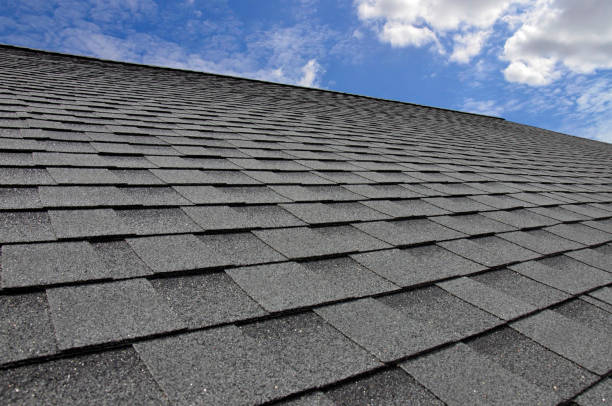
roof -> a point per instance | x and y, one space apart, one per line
174 237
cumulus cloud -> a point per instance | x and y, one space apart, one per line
486 107
310 71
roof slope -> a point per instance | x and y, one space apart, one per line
172 237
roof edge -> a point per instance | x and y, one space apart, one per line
93 58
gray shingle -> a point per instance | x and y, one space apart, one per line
225 195
502 202
193 176
458 204
48 263
492 300
589 348
257 375
406 208
284 286
540 241
25 226
596 395
603 294
172 253
558 213
240 248
417 265
295 178
116 377
304 242
99 176
332 193
472 224
26 328
587 314
341 177
155 196
386 333
572 277
603 225
156 221
120 259
87 223
321 213
440 310
25 176
580 233
459 375
534 363
383 191
319 353
207 300
108 312
408 232
19 198
525 289
521 218
84 196
136 177
587 210
267 216
389 387
489 251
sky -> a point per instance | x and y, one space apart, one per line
546 63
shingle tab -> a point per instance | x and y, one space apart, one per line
405 208
409 232
87 223
589 348
489 251
120 259
83 196
156 221
596 395
25 226
257 375
580 233
541 241
417 265
90 176
460 376
102 313
25 176
472 224
240 248
49 263
321 213
19 198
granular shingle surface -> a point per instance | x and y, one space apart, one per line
181 238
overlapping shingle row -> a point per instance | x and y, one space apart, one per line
171 237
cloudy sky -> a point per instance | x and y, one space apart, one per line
546 63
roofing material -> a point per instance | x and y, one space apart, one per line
174 237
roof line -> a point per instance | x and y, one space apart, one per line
241 78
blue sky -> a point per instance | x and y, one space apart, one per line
546 63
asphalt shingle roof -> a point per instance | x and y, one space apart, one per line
175 238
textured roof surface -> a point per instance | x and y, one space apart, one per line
172 237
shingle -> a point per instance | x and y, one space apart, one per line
405 208
156 221
440 310
207 300
102 313
416 265
315 193
383 191
155 196
603 225
267 216
25 176
304 242
297 178
321 165
538 199
587 314
558 213
341 177
268 164
84 196
472 224
496 187
457 189
580 233
521 219
459 375
489 251
603 294
492 300
589 348
257 375
100 176
136 177
572 277
534 363
587 210
26 328
16 159
502 202
225 195
596 395
319 353
87 223
116 377
540 241
458 204
176 253
68 159
321 213
120 260
349 277
47 263
408 232
523 288
25 226
193 176
284 286
240 248
211 163
386 333
389 387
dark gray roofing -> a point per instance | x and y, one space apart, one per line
173 237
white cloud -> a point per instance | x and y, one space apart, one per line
310 71
486 107
559 35
468 45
